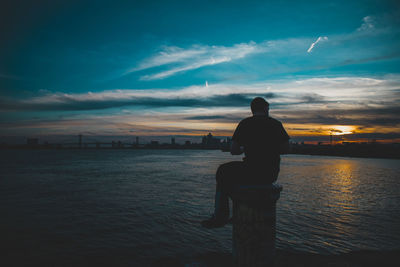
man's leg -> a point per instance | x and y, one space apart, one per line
255 188
227 177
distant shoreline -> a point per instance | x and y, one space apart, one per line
382 152
348 156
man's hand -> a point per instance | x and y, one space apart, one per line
236 149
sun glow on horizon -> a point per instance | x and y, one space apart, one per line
342 129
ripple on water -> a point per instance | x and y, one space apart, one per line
149 203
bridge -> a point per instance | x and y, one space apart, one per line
91 142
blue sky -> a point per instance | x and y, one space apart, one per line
162 68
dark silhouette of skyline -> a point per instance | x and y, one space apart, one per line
346 149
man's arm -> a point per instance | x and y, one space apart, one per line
284 148
235 148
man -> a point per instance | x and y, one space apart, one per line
262 139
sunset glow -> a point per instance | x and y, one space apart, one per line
341 130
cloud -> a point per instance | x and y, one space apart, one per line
172 60
377 135
192 96
367 116
367 103
388 56
190 66
140 98
220 118
312 93
367 25
312 98
320 39
194 57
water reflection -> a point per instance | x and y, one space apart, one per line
335 204
340 178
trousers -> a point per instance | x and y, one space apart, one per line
246 182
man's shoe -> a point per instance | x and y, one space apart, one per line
213 222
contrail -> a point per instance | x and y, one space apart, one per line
324 38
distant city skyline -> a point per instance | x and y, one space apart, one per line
162 69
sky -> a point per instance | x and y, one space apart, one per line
158 69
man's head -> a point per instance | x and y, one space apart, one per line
259 106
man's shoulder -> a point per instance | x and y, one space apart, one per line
246 120
264 118
275 121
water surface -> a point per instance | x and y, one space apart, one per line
136 205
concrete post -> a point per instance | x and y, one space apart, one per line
254 232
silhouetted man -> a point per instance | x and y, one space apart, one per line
262 139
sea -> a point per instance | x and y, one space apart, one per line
130 207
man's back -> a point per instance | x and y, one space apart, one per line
261 137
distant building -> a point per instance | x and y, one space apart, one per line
118 144
209 141
226 144
228 141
